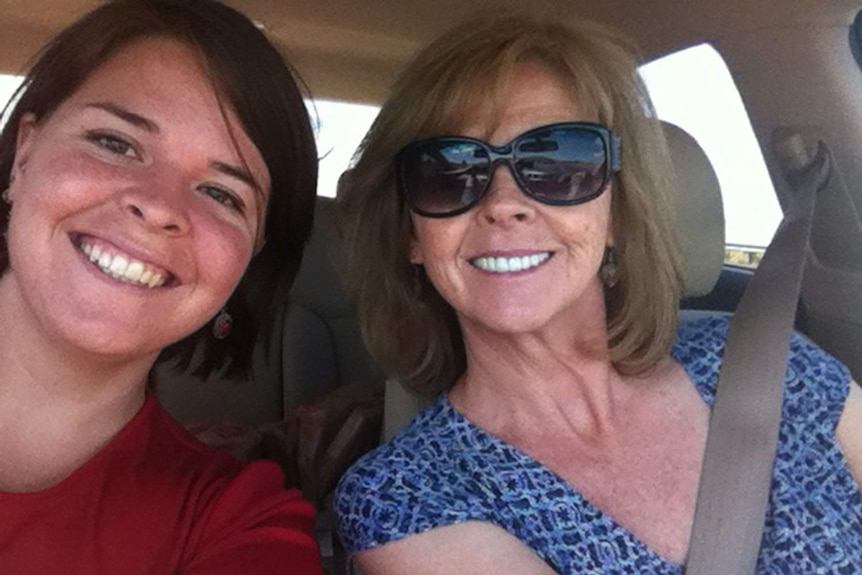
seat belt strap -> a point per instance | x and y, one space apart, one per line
743 430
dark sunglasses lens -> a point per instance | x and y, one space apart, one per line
562 165
442 177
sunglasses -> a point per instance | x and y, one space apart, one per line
560 165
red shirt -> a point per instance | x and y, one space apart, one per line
155 501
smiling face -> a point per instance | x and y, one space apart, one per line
137 204
511 264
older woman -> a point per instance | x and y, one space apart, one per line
152 181
512 192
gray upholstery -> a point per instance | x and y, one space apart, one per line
318 349
322 346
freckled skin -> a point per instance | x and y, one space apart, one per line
507 222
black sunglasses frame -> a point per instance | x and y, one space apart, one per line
505 155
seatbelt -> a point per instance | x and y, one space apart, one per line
743 431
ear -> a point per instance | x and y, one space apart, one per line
416 254
24 141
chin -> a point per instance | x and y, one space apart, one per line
114 340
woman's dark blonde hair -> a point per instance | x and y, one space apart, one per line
409 329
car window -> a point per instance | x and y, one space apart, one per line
693 89
8 85
339 128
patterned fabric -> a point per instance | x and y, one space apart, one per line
442 469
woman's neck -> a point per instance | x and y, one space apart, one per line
561 372
58 404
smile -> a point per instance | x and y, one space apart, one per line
501 265
121 266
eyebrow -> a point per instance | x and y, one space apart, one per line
240 174
127 115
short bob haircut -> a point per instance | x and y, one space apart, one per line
409 329
249 76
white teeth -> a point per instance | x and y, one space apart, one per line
121 268
119 265
134 271
504 265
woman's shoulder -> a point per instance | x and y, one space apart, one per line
702 335
699 347
408 485
816 383
161 437
235 511
423 445
814 377
250 519
161 502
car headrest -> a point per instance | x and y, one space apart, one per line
317 285
699 212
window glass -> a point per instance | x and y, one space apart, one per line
693 89
8 85
340 127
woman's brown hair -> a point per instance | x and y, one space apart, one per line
409 329
249 76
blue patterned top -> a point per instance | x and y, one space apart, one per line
442 469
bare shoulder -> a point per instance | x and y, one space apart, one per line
849 431
474 547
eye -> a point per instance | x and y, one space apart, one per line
222 196
113 144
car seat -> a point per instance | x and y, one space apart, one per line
316 349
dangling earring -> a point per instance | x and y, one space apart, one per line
609 271
222 324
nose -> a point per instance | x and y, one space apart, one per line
159 206
504 202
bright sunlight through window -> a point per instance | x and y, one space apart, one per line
340 127
8 85
693 89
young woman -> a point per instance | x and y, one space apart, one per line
153 180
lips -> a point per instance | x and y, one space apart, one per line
502 265
122 266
